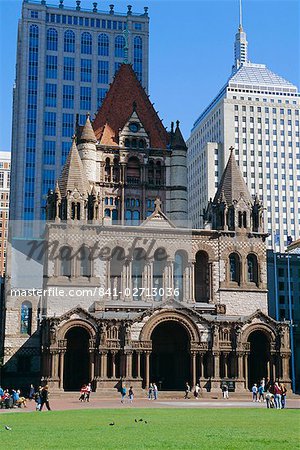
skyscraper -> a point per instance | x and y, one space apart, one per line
66 58
4 206
256 112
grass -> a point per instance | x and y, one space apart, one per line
165 429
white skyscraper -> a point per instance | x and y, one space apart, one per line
256 112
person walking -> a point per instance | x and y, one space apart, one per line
31 392
254 392
261 393
150 392
187 391
225 390
37 398
155 391
130 394
45 398
283 395
123 393
197 391
88 392
277 395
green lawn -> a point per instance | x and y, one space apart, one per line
165 429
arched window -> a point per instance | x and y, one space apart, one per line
128 217
234 268
151 172
127 142
252 269
107 170
201 277
26 318
86 43
116 171
51 39
159 263
138 264
136 217
158 173
133 171
179 268
142 143
69 41
138 56
33 36
119 46
114 215
230 219
84 262
107 212
117 263
103 45
65 256
75 211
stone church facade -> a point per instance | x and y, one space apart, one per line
132 293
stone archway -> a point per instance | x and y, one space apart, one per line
76 360
170 363
259 357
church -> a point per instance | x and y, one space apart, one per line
130 291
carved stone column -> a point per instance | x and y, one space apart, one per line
147 368
285 358
103 370
193 361
201 368
246 356
128 364
240 364
225 356
216 355
138 364
61 368
54 363
113 360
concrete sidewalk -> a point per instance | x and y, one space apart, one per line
67 403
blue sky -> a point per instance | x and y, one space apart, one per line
191 50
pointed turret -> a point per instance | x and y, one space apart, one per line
232 208
232 185
240 45
87 150
178 193
73 175
87 134
177 138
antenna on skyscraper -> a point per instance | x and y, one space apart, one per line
241 15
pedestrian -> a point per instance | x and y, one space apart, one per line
45 398
123 393
261 393
283 395
254 392
83 393
150 392
130 394
155 391
88 392
267 384
225 390
187 391
269 399
263 383
277 396
31 392
37 398
197 391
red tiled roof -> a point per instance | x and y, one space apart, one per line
117 107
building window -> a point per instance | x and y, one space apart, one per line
86 43
103 45
252 266
48 181
67 124
85 98
26 318
159 264
52 39
179 269
65 261
103 72
84 262
49 152
69 68
69 41
1 179
101 93
68 96
138 56
138 264
50 123
234 268
86 70
50 95
201 277
119 46
51 66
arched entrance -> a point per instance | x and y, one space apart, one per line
170 365
76 361
259 358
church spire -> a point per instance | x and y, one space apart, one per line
240 44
